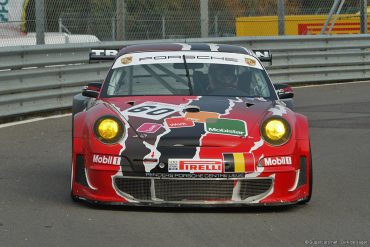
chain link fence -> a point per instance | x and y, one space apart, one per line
108 20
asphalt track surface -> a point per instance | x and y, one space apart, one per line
36 210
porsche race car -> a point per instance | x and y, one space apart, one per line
188 124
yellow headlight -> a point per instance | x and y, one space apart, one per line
276 131
108 129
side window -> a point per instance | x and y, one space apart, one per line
116 81
259 85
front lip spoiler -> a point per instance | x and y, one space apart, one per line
185 205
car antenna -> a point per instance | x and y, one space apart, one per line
188 76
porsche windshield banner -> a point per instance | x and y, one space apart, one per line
190 57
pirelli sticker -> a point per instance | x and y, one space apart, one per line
238 162
195 166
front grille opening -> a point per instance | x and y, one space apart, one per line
137 188
254 187
182 190
197 190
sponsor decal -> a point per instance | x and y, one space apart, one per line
179 122
106 159
190 56
195 166
126 60
4 10
149 127
250 61
151 110
226 127
238 162
195 175
104 53
277 161
278 110
201 116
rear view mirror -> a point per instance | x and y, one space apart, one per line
189 65
284 91
92 90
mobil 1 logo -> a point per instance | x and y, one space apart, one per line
151 110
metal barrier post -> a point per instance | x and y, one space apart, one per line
113 28
60 25
281 17
216 25
332 10
204 18
40 25
121 15
163 27
363 13
336 16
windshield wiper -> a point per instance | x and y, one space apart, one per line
188 76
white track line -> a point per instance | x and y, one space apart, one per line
69 114
332 84
33 120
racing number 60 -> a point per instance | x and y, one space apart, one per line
148 109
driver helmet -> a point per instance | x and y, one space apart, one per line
222 75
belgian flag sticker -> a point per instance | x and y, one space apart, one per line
238 162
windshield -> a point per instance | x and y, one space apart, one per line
216 78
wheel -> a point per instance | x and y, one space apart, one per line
74 198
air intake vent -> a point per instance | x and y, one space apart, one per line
184 190
303 171
192 108
80 176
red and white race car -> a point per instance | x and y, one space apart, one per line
188 124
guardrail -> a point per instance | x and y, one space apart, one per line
43 78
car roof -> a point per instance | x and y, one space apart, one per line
200 47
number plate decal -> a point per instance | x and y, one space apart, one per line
152 110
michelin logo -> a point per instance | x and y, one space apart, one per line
106 159
277 161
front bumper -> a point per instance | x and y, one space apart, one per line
274 187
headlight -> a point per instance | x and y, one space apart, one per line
276 131
108 129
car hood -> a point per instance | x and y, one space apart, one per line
185 120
